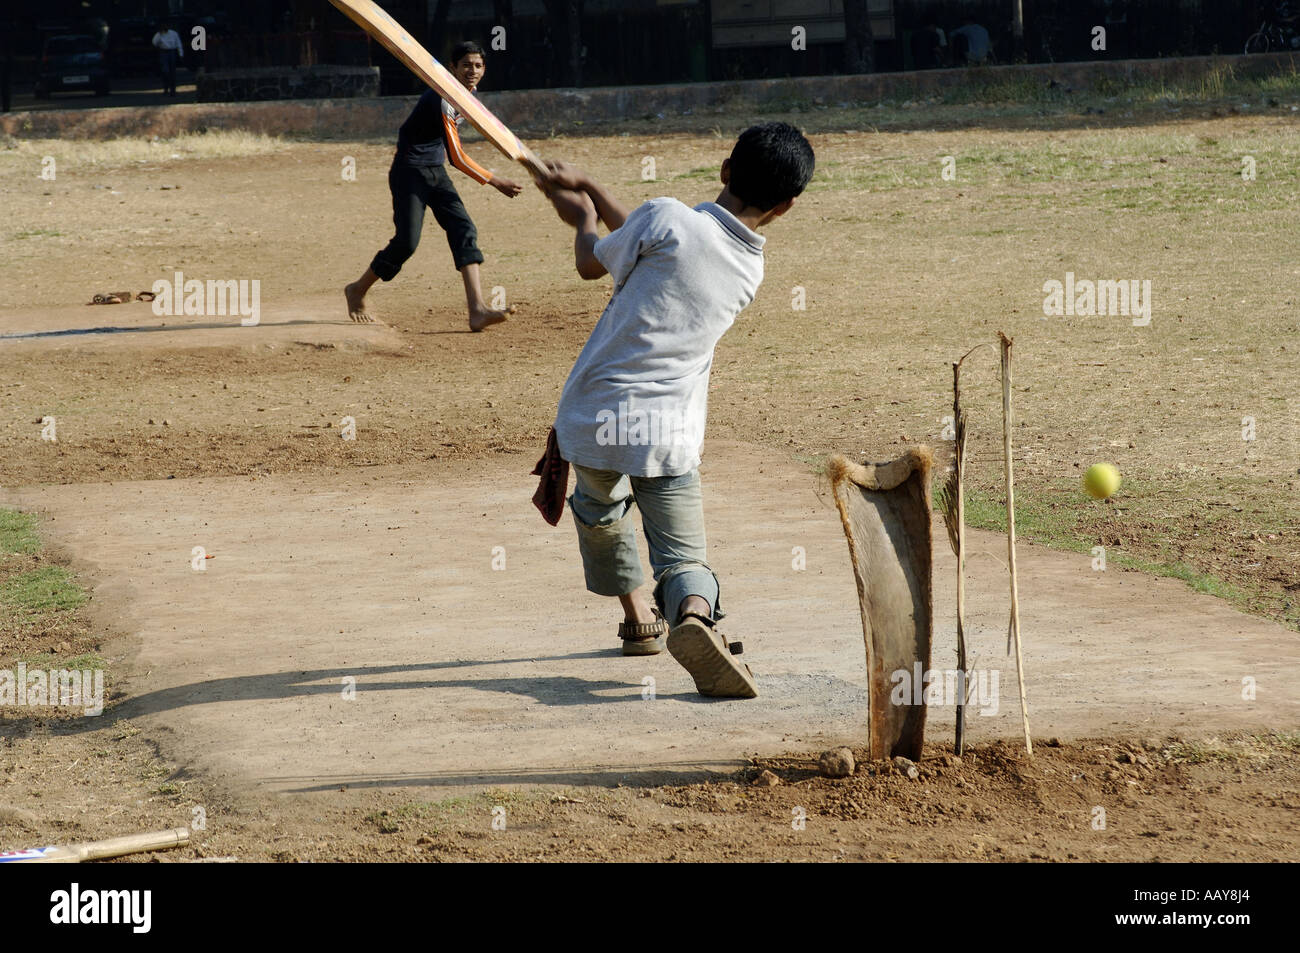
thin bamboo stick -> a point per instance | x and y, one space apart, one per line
1013 633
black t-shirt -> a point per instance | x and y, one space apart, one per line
420 140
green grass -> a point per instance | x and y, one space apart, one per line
1202 752
38 602
35 233
44 589
88 660
1259 747
1063 527
18 533
1122 171
154 771
40 660
1280 740
1001 94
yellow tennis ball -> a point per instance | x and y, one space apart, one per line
1101 480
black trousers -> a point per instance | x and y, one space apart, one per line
413 189
167 63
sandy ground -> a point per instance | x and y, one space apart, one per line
131 327
468 675
479 688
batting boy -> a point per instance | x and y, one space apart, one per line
632 413
418 179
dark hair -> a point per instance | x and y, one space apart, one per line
770 163
463 49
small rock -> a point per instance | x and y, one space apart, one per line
955 761
836 763
907 767
766 779
64 648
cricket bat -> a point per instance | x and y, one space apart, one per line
99 850
375 20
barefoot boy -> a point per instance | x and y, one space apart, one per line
631 415
418 178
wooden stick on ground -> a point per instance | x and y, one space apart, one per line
954 516
959 521
1013 633
101 849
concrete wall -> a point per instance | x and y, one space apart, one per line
271 83
538 112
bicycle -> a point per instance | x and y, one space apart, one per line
1275 34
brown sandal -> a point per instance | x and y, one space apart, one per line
113 297
702 650
643 638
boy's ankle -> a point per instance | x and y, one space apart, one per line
694 605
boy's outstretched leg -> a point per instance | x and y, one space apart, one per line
356 295
672 512
480 315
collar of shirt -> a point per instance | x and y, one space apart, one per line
733 225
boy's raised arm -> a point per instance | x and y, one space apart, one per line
577 209
611 211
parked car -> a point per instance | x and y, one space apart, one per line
72 61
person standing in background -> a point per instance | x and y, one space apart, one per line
970 44
170 52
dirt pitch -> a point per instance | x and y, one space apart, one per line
243 424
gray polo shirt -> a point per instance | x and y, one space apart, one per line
636 401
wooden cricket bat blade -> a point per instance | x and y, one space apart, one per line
372 18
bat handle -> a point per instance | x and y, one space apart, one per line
535 165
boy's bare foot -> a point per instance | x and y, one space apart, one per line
481 318
357 305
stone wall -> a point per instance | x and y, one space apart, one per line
538 112
285 82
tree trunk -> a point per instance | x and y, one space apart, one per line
859 45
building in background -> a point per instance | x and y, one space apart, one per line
546 43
